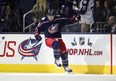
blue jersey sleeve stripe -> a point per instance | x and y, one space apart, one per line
40 24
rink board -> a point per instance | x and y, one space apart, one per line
88 53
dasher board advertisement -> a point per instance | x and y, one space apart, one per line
84 51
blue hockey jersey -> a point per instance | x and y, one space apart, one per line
56 24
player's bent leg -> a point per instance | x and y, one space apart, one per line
64 57
56 50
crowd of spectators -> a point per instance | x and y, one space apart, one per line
105 10
12 11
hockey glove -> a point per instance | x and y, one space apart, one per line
38 37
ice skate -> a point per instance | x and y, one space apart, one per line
57 63
67 69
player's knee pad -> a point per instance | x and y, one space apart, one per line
56 45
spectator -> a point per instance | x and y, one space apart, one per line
86 9
71 11
10 19
63 9
99 11
39 10
107 11
111 24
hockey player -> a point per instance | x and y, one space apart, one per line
51 26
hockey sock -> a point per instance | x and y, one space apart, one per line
56 49
64 58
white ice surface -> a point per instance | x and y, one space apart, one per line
54 77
